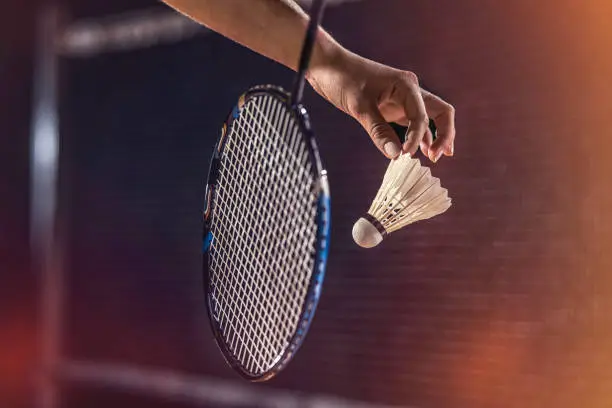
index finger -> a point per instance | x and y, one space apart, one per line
416 113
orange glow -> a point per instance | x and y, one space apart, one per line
17 357
492 360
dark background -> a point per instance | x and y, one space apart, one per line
17 282
504 301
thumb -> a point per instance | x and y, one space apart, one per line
381 133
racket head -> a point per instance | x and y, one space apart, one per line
260 309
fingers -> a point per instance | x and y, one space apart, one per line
426 142
443 115
381 133
414 106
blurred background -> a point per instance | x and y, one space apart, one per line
504 301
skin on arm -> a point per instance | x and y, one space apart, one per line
273 28
372 93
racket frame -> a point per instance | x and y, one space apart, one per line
322 237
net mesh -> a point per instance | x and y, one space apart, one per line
264 228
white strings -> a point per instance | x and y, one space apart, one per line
264 229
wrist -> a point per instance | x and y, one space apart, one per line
327 54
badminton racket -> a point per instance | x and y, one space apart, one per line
266 226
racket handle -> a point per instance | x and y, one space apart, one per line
316 15
400 131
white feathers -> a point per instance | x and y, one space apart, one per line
408 194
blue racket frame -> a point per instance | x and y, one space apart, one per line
322 240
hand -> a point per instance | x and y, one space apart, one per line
375 94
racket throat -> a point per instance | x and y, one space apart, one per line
316 16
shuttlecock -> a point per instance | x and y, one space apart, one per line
408 194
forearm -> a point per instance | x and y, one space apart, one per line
273 28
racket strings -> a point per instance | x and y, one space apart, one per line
263 253
273 308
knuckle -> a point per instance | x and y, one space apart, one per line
450 109
422 120
377 131
358 108
414 140
410 77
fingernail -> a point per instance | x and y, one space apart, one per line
391 149
450 150
437 156
431 155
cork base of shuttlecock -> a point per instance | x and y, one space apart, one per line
365 233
